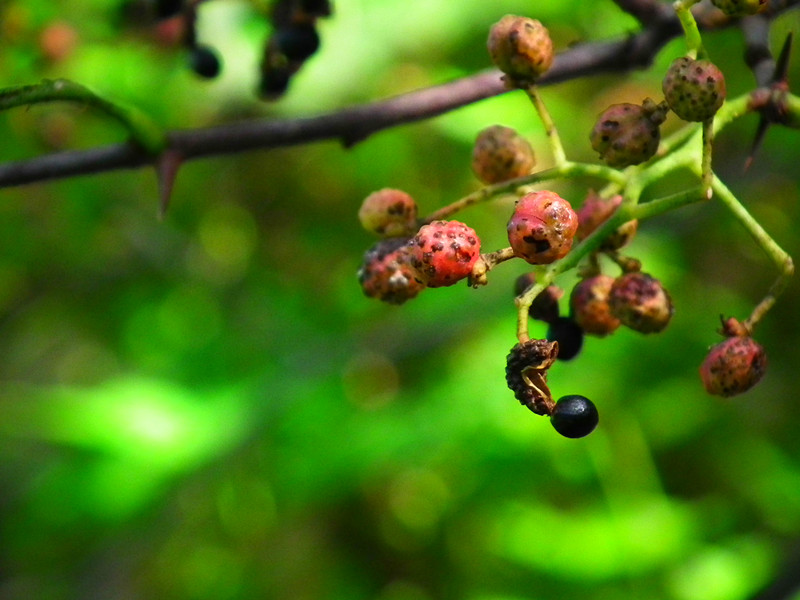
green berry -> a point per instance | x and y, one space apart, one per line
628 134
694 89
500 154
521 48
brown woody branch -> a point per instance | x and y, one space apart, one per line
352 125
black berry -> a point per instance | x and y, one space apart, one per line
297 41
569 336
574 416
168 8
203 61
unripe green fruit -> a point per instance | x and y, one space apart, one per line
521 48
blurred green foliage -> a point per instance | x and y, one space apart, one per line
208 408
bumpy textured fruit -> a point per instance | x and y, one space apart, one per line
594 211
500 154
389 213
443 252
574 416
542 227
733 366
387 274
640 302
739 8
569 336
589 305
694 89
520 47
526 374
628 134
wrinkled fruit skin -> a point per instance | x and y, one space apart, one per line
443 252
694 89
589 305
595 211
739 8
524 363
574 416
387 274
520 47
500 154
542 227
628 134
389 213
640 302
733 366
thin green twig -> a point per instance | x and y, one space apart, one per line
142 129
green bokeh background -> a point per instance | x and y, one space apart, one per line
207 407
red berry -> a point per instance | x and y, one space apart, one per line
694 89
520 47
389 213
500 154
733 366
443 252
387 274
640 302
589 305
542 227
595 211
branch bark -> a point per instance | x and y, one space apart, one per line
352 125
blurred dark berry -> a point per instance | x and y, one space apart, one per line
203 60
574 416
168 8
569 336
297 41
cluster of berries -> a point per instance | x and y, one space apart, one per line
294 39
412 256
418 253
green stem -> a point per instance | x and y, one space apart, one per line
568 169
694 42
776 254
142 129
706 175
559 156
